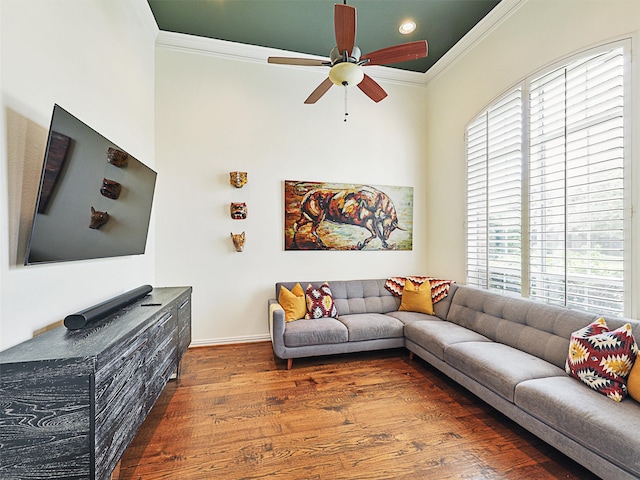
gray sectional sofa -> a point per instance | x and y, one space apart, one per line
508 351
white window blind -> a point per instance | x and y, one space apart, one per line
494 241
477 203
565 239
576 184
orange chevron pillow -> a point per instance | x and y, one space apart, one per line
439 287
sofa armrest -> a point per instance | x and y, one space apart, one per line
276 327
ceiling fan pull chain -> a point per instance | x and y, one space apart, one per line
346 110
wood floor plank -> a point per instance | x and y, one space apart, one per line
237 413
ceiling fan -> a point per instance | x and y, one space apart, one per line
345 58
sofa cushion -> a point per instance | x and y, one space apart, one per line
609 429
371 326
410 317
602 359
533 327
368 296
363 296
416 298
497 366
315 332
436 335
441 308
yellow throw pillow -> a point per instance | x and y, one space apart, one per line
633 381
416 299
293 302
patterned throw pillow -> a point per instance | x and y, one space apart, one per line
602 358
439 287
320 302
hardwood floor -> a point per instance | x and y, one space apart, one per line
236 413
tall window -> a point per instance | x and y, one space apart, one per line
494 213
546 187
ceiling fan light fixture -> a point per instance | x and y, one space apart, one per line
346 59
346 74
407 27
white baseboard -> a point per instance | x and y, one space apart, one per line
208 342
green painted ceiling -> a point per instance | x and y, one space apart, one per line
306 26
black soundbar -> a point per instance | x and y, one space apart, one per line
97 312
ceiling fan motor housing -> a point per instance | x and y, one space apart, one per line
337 57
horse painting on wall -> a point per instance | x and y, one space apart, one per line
336 216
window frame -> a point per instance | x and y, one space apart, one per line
524 86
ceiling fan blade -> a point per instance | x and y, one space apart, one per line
398 53
310 62
371 89
319 91
344 21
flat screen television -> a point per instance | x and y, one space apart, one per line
94 199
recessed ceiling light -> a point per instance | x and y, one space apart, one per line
407 27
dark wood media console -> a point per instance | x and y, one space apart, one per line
72 401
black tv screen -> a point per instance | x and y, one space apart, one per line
94 199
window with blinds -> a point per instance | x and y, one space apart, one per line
563 240
576 175
494 239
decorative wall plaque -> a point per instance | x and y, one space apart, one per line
238 179
110 189
98 219
238 210
238 241
117 157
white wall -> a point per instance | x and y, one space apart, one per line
95 58
216 115
539 33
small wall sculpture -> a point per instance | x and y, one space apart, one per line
117 157
238 210
238 241
110 189
98 219
238 179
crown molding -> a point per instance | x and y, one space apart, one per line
251 53
148 21
490 22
